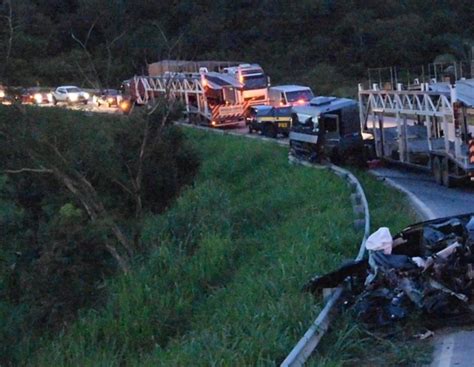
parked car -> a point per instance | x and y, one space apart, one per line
109 97
36 95
70 94
2 93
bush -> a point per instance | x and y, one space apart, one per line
59 227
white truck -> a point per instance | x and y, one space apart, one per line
289 95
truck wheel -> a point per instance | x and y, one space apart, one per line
250 129
55 101
446 180
436 167
270 131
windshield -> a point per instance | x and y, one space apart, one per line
350 118
255 81
299 95
73 90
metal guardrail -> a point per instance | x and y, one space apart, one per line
306 345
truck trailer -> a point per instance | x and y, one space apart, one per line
213 98
430 128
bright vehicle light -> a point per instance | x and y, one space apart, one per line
125 105
2 93
110 99
50 97
73 97
301 101
38 97
86 95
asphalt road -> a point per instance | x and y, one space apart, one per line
452 347
441 201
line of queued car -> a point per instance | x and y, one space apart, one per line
68 94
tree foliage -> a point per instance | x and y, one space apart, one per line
288 38
74 193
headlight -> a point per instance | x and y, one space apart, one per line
38 97
50 97
110 99
2 94
86 95
73 97
125 106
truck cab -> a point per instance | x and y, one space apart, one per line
255 82
270 121
327 128
290 95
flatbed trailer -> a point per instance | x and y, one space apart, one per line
421 128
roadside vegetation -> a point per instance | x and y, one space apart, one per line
217 280
75 192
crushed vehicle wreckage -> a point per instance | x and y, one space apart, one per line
428 267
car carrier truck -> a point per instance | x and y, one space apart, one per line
214 98
427 129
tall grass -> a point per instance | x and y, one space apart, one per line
221 282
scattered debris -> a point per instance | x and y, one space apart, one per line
428 267
424 336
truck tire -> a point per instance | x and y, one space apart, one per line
436 168
270 131
250 129
55 101
446 179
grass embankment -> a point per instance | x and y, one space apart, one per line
351 344
221 285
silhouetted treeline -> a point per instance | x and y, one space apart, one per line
327 43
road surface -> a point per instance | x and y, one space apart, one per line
441 201
454 347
